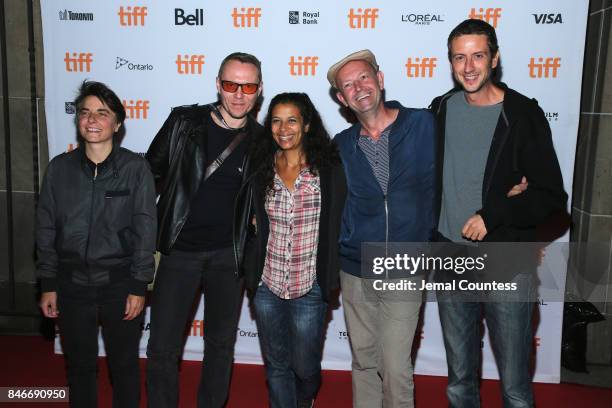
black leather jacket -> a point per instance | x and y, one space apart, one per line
178 160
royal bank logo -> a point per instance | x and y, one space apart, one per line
69 15
554 18
70 108
122 62
544 67
182 18
304 17
422 19
552 117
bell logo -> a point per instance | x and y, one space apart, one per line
132 16
80 62
363 18
303 66
136 109
247 17
490 15
545 67
189 64
420 67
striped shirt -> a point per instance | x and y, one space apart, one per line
291 257
377 153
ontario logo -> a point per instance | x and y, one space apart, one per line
122 62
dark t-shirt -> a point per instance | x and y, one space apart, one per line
209 224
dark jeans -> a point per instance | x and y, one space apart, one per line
510 329
82 309
178 281
291 337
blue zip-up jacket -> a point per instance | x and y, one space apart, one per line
406 213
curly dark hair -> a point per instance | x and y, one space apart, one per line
318 149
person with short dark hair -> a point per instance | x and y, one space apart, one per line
298 195
498 178
95 238
199 161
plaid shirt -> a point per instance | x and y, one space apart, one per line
291 257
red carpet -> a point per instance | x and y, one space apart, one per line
29 361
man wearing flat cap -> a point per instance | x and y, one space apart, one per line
388 158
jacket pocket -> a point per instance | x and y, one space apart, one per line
116 193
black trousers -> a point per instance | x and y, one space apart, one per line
82 309
178 281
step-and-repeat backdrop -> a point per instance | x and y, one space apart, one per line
159 54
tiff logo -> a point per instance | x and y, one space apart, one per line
545 67
303 66
136 110
363 18
248 18
80 62
132 16
420 67
490 15
189 64
197 328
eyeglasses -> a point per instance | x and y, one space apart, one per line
232 87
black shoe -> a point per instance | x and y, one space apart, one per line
305 403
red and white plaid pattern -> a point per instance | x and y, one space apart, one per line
291 259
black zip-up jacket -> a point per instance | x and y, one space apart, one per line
178 160
100 230
521 146
333 195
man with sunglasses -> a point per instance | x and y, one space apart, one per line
199 162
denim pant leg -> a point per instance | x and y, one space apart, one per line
510 326
121 340
273 315
222 305
460 322
78 325
307 319
177 281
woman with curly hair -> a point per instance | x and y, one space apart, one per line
292 264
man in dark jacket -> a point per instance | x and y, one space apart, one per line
95 239
498 178
388 159
199 161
